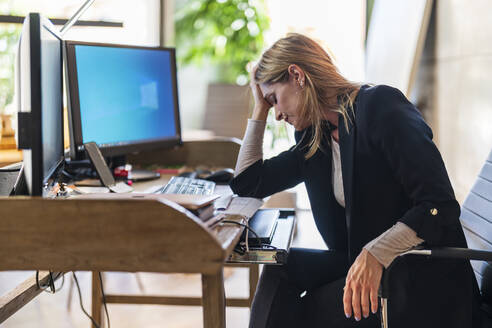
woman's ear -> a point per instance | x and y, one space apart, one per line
296 74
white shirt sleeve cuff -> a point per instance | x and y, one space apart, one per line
393 242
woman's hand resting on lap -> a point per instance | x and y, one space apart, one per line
361 286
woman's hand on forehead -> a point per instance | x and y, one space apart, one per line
262 106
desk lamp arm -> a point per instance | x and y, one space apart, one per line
76 17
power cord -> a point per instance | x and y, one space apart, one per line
82 305
241 224
75 171
260 244
80 301
50 287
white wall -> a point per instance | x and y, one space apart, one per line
463 98
339 25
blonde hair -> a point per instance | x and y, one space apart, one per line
321 76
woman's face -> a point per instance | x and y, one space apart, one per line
285 97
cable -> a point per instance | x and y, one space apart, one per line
243 225
51 282
260 244
37 280
247 240
80 301
104 299
63 281
50 287
10 170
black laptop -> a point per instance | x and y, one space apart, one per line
275 229
263 223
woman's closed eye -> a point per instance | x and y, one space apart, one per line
271 99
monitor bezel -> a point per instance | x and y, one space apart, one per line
75 125
38 180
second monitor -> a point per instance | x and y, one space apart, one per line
123 98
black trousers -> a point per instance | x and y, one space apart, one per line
306 292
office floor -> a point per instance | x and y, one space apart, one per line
52 311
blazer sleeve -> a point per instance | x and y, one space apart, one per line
266 177
405 141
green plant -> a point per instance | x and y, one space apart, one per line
9 36
277 129
228 34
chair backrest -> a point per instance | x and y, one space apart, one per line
476 219
227 109
8 177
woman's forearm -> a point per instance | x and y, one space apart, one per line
252 146
259 114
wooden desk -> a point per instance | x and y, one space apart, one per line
10 156
129 236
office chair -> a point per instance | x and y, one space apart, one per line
12 180
227 110
476 220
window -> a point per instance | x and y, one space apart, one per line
140 21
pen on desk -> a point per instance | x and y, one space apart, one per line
223 202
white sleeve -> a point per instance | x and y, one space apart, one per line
252 147
393 242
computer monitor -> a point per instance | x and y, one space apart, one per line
123 98
39 90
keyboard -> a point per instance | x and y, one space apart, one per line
189 186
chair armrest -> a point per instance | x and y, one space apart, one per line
453 253
462 253
438 252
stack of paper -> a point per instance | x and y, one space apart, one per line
244 206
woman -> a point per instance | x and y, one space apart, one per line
377 187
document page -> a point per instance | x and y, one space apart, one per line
245 206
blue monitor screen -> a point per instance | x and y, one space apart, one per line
126 95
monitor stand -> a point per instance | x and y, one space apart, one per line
143 175
135 174
103 171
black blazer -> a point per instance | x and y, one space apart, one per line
392 171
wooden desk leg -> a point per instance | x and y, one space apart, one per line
213 296
96 298
254 273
